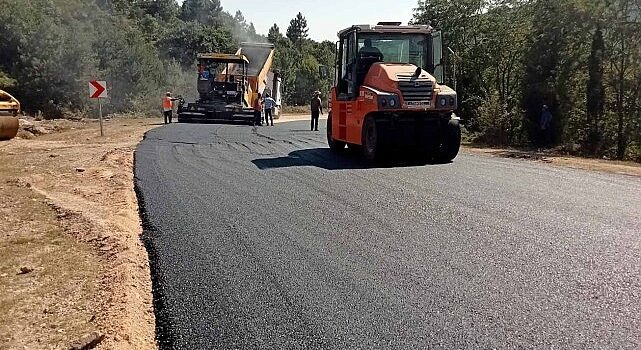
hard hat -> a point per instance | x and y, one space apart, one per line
168 93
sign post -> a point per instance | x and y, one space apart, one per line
102 133
98 89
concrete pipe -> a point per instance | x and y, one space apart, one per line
8 127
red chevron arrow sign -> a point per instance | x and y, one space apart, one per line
97 89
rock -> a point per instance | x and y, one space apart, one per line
24 123
25 135
81 170
39 130
54 155
25 270
32 128
87 342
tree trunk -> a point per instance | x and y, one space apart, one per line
621 139
595 93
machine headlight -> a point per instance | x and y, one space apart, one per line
388 100
452 101
443 101
392 102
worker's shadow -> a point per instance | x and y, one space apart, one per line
326 159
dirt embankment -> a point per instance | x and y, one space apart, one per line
71 260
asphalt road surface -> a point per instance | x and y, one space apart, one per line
263 239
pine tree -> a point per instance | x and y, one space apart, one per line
162 9
274 36
297 30
201 11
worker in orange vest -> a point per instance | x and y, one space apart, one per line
168 107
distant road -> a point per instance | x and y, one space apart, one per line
268 241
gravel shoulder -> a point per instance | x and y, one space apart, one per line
550 157
71 260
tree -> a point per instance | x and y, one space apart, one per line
595 92
297 30
543 60
48 78
6 81
202 11
624 48
251 30
184 42
162 9
460 22
274 36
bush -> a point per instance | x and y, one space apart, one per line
497 126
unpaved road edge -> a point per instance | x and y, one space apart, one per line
87 181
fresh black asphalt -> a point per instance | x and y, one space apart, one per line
260 238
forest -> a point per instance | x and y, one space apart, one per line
581 58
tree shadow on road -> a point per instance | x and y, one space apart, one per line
328 160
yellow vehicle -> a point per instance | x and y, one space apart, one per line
230 85
8 104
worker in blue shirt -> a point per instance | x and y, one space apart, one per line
268 105
545 125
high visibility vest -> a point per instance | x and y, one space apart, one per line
166 103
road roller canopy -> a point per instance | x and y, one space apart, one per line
388 27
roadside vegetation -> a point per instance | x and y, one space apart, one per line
582 58
142 48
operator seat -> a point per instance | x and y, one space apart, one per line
366 58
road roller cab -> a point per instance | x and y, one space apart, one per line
390 93
9 105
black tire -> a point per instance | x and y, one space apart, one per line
450 142
354 149
334 145
370 140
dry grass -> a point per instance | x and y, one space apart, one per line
295 109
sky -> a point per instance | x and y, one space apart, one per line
324 18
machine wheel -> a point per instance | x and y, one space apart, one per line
451 142
370 141
354 149
334 145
